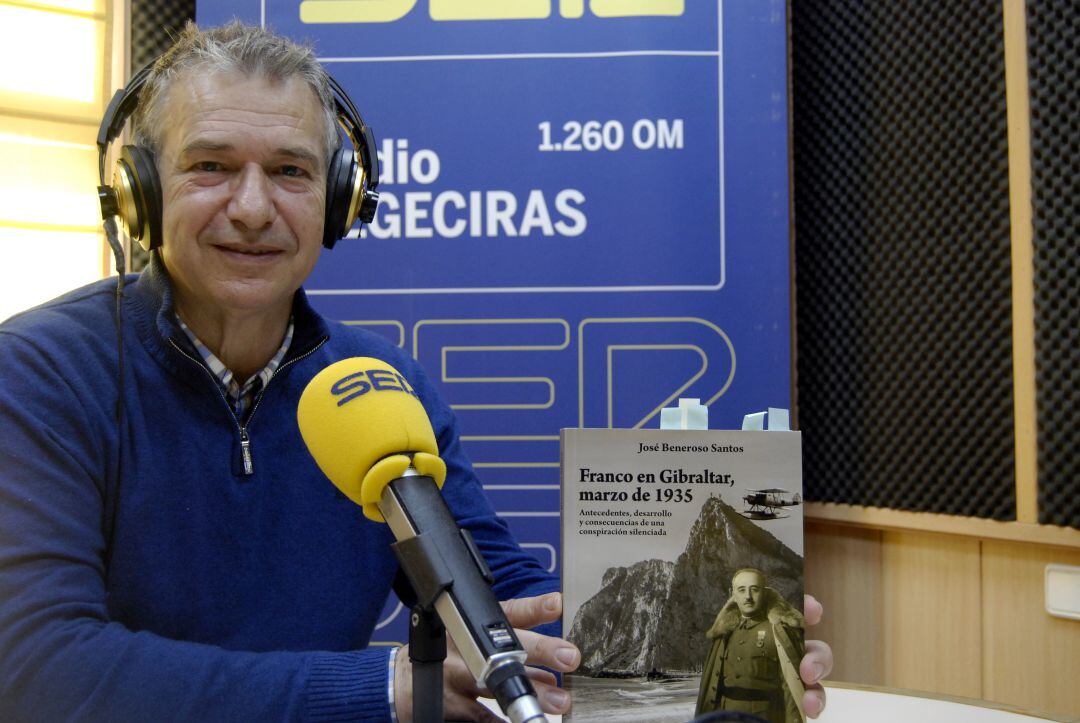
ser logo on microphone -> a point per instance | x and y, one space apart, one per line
357 384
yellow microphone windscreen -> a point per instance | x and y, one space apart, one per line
357 412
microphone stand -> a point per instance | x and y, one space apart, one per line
429 577
427 651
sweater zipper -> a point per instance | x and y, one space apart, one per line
245 439
245 451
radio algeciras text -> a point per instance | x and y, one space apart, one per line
473 213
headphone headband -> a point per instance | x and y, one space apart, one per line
360 135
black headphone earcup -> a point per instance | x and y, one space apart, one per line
139 190
341 190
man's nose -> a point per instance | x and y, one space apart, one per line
252 203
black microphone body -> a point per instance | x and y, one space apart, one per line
363 398
447 572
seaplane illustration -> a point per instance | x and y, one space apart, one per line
769 503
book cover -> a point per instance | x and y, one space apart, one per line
682 566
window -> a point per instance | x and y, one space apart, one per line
55 75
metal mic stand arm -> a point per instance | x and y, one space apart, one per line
429 577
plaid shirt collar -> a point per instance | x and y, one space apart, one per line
239 396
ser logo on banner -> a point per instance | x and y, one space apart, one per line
387 11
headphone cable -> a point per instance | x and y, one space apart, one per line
113 237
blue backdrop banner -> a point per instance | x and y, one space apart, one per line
584 217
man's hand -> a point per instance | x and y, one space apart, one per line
459 688
816 663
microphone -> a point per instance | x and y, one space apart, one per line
367 430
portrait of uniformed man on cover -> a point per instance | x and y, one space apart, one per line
756 645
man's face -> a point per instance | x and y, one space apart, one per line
747 587
243 180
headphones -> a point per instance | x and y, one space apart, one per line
135 194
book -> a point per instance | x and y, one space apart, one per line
682 560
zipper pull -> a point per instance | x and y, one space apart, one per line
245 452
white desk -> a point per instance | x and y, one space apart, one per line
851 704
866 704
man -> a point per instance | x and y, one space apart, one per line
752 664
195 565
190 561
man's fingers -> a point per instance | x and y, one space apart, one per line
540 676
549 652
814 701
543 650
456 677
812 610
460 687
459 708
528 612
816 663
553 699
461 692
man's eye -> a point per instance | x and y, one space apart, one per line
208 166
293 171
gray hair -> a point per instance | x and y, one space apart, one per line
236 48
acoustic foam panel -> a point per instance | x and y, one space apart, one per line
903 278
1055 160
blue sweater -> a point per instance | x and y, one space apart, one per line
144 575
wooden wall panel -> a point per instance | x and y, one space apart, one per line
1033 659
932 611
945 613
843 571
